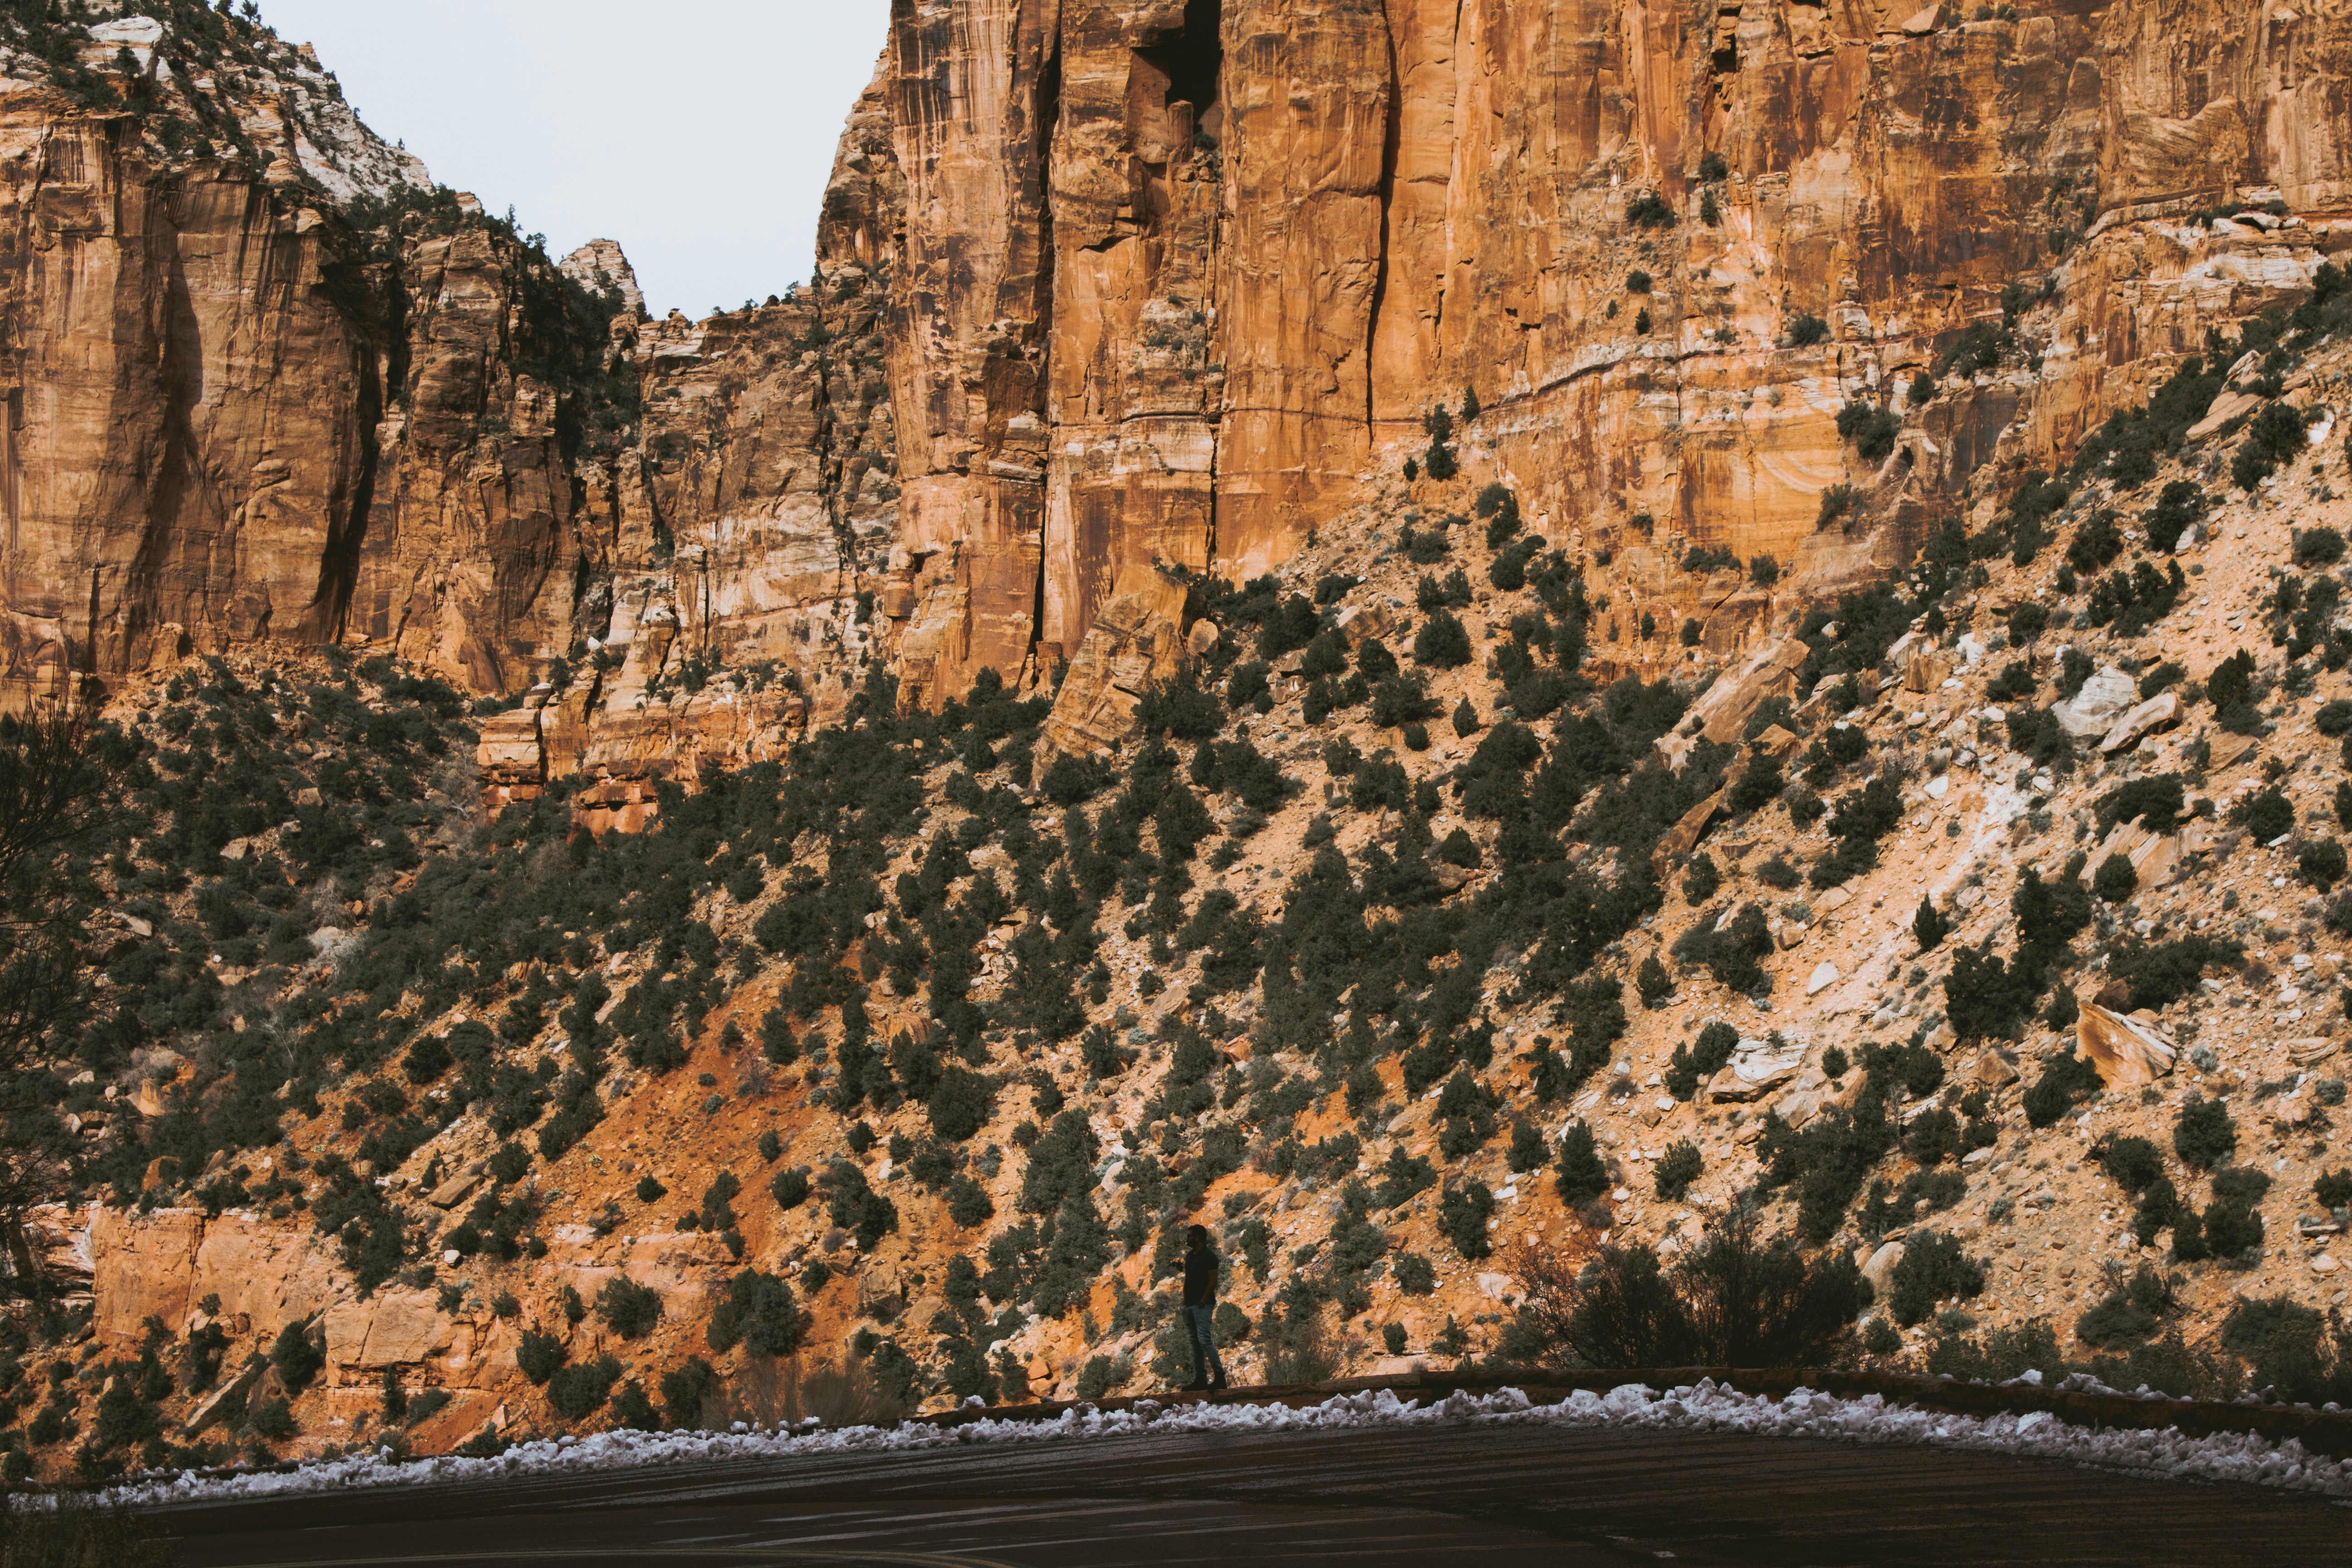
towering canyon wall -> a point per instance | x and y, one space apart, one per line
267 384
1178 276
262 384
1103 283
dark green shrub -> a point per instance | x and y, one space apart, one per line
1933 1138
2241 1185
297 1361
1581 1176
960 1103
2160 1208
509 1163
2294 1352
2095 543
1731 954
577 1393
760 1314
1829 1159
1806 332
1750 1302
2266 815
1649 210
2231 1229
1760 783
1979 348
1838 502
1415 1276
2231 689
2131 1312
2179 507
1871 428
1928 926
1499 509
1919 1193
2204 1136
1528 1150
2067 1078
2163 972
1438 462
1733 1300
1181 707
1679 1167
2014 682
1442 642
539 1355
273 1420
1933 1268
1072 780
2320 863
1627 1313
2115 880
968 1204
2133 1163
633 1412
2276 435
1655 986
2158 803
394 1398
427 1059
1463 1213
630 1309
2321 546
1985 997
1701 1060
1401 1177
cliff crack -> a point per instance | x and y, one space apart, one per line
1391 147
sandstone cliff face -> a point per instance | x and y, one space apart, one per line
721 568
233 419
1176 275
1120 283
466 557
168 357
740 561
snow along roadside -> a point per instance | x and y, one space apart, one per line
1706 1406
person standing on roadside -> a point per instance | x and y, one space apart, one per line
1200 1311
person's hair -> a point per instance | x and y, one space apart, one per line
1198 1236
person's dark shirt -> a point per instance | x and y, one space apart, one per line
1199 1278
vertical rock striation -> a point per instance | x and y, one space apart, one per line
1178 276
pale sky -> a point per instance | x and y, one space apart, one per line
698 133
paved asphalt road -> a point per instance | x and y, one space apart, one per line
1501 1495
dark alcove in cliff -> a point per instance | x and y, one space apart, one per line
1193 59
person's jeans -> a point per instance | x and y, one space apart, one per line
1201 1321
